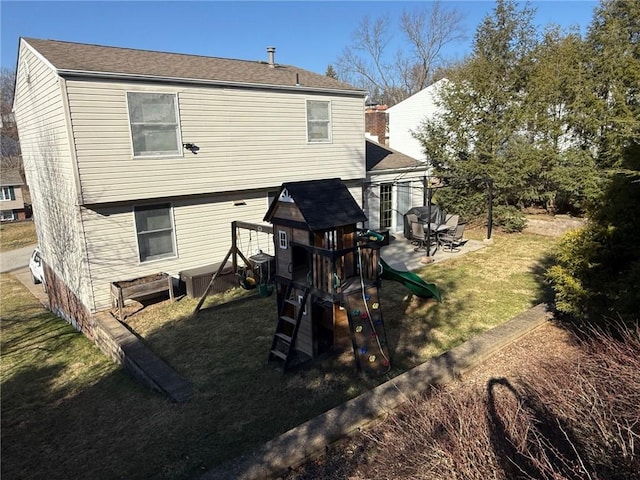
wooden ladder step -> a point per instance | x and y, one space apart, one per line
288 319
285 338
279 354
293 302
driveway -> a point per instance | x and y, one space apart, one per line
17 262
15 259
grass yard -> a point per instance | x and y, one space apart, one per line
16 235
67 412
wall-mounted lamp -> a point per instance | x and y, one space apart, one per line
191 147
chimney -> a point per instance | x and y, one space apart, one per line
272 53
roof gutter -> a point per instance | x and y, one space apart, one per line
195 81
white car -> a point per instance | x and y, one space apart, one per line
36 267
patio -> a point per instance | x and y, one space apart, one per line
401 254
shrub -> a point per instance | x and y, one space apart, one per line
575 420
509 218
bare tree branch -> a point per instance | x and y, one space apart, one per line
393 76
428 32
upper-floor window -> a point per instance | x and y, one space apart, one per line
7 194
154 228
318 121
155 128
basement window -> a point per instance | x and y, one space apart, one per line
155 232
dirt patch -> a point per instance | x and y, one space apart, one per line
552 226
141 280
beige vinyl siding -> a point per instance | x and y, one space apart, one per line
16 204
202 230
248 139
44 140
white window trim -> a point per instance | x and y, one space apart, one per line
2 194
180 152
283 242
303 306
173 235
306 118
5 218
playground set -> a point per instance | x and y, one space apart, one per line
326 273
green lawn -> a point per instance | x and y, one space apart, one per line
16 235
67 412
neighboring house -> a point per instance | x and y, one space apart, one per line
394 185
138 161
407 116
12 205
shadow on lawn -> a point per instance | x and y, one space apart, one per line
122 430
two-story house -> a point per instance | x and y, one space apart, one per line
12 205
138 161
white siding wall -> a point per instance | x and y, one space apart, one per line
247 139
407 116
44 140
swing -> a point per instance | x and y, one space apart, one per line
247 282
245 275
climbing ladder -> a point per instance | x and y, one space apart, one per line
290 313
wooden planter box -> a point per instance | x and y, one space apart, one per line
139 287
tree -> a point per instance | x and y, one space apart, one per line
10 142
331 73
479 133
614 46
392 77
597 274
557 102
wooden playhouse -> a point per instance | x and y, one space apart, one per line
326 276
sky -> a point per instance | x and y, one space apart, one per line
308 34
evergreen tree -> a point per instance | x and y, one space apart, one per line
557 98
614 46
479 133
331 73
597 275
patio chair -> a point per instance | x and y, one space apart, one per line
453 238
452 220
418 235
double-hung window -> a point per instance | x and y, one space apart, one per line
155 232
155 129
318 121
7 194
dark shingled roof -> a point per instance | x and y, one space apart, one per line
78 57
9 177
380 157
324 204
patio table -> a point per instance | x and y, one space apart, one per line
436 230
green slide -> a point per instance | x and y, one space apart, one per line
410 280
